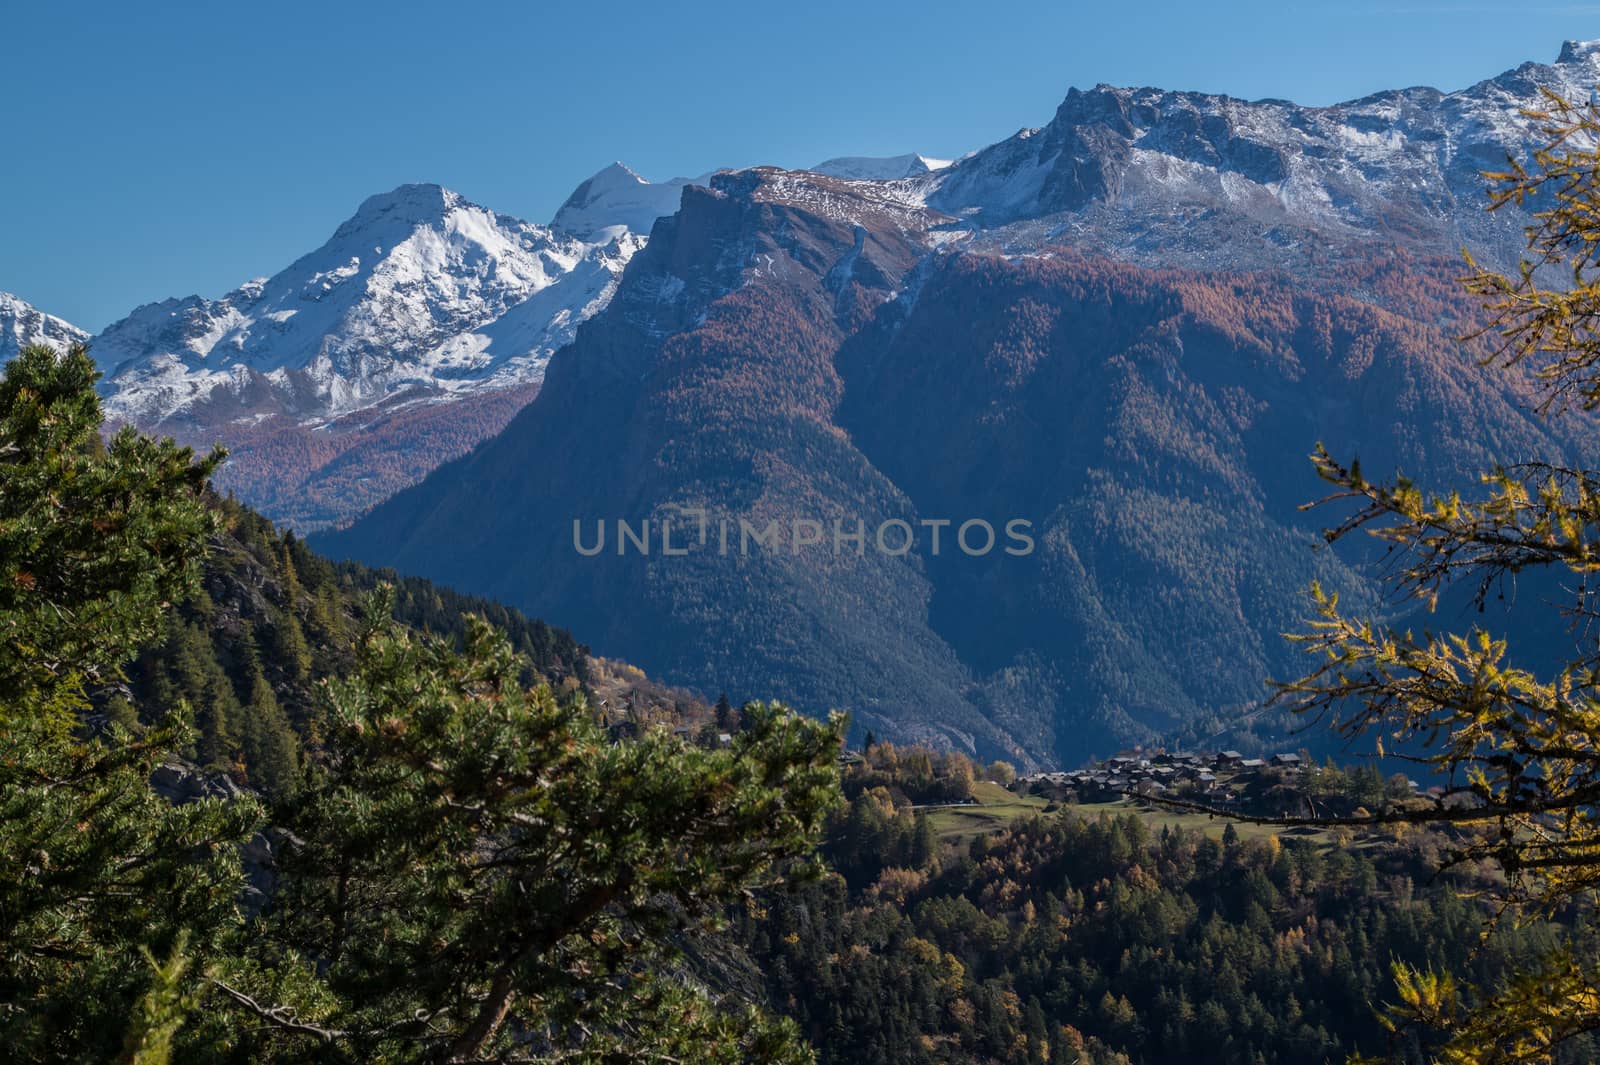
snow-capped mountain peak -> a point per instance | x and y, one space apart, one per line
22 325
423 295
419 289
617 200
1579 52
402 207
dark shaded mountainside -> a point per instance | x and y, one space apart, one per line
786 348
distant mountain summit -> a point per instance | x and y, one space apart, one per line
414 332
1211 181
886 168
420 292
23 325
617 201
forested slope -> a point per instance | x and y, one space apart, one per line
271 621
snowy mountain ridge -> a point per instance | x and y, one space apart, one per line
420 295
419 291
1209 181
887 168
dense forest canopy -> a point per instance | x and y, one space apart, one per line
1122 937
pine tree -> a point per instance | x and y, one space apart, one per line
289 646
162 1010
474 869
267 739
95 542
482 855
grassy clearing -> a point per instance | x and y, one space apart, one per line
1156 816
996 808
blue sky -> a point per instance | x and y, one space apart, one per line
156 155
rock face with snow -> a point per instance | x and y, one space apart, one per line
420 292
1211 181
424 295
22 325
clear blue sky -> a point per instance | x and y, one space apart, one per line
192 147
